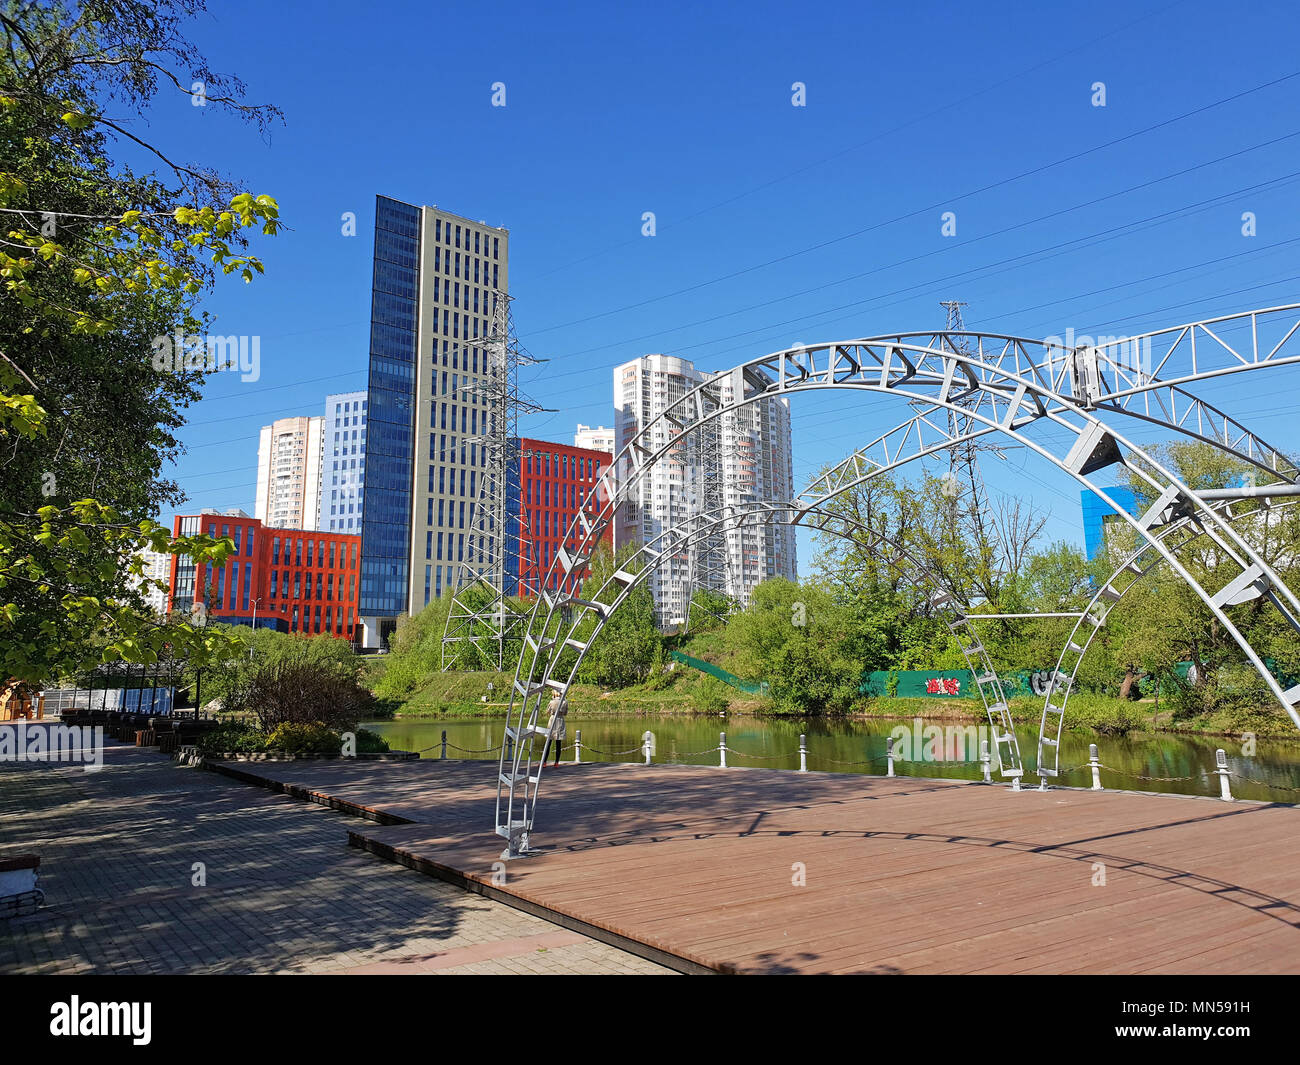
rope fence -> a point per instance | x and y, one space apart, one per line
646 748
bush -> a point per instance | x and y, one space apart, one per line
711 697
370 742
231 738
297 738
303 691
1106 716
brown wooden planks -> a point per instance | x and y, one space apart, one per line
903 874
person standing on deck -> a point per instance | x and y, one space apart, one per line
558 709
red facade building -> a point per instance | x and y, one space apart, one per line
289 579
554 480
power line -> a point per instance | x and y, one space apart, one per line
946 202
870 140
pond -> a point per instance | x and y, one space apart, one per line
1139 762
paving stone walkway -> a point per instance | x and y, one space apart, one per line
284 893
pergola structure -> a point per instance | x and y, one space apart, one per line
1062 403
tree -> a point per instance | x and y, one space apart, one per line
103 267
1164 622
796 638
629 644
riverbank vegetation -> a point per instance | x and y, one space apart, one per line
879 599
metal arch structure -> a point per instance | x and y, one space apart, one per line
1005 384
520 780
1137 564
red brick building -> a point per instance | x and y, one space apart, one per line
554 479
289 579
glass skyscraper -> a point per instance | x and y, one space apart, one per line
437 279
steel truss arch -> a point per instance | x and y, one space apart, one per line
1138 563
1006 392
525 770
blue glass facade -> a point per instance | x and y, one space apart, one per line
1095 512
394 316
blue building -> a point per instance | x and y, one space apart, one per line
343 463
394 314
1097 513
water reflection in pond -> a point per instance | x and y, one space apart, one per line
1272 772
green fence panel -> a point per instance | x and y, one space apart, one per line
748 687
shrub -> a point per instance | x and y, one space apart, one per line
298 738
370 742
1106 716
302 691
231 738
711 696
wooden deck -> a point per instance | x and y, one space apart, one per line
696 866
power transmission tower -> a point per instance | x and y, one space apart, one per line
482 616
964 477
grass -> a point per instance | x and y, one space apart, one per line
450 695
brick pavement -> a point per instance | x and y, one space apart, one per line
284 892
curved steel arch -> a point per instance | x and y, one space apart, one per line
524 770
1092 619
1004 400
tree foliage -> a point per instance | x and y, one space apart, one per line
99 260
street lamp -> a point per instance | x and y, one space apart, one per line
199 614
255 605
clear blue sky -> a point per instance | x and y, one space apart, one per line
685 110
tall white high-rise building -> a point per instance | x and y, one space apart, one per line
343 467
741 457
157 567
288 473
595 439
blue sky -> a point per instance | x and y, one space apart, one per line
685 110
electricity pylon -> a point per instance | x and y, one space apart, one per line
489 577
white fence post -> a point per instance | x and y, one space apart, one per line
803 753
986 763
645 747
1094 763
1221 760
722 749
577 745
889 754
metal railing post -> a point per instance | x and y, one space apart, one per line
577 745
722 750
986 763
1094 763
889 755
1221 761
444 744
803 753
510 749
645 747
